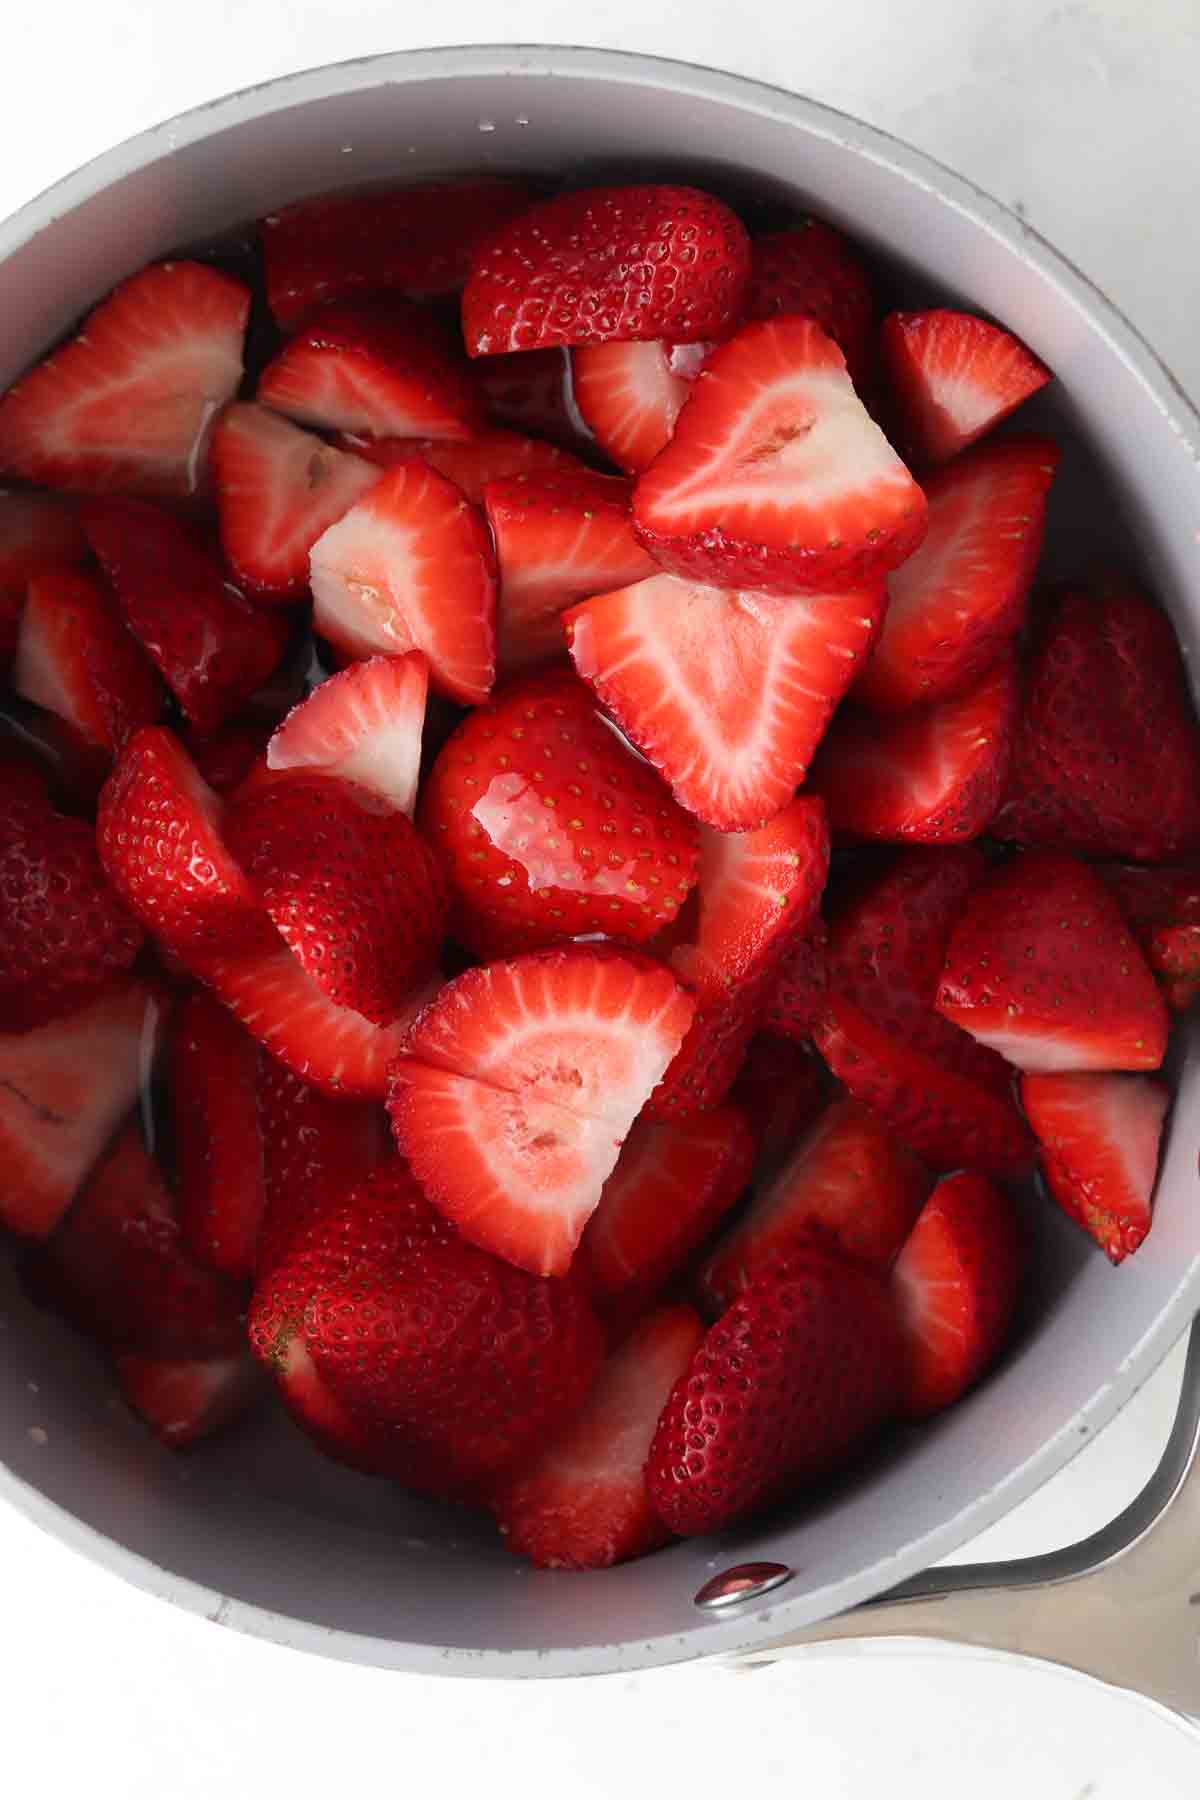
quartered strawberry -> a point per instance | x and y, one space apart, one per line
546 827
470 462
559 538
1162 909
125 406
63 1089
848 1186
654 261
531 391
76 658
1042 967
582 1501
24 778
350 886
960 599
812 270
410 567
278 488
726 692
414 241
777 478
954 376
363 725
781 1088
38 534
1098 1142
218 1143
797 990
956 1284
630 396
211 647
671 1186
518 1086
706 1065
795 1378
183 1400
933 775
378 366
1107 758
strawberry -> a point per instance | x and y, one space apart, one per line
410 567
559 538
125 406
316 1409
1175 958
76 658
931 776
1098 1140
38 535
607 262
414 241
1108 721
312 1144
954 376
776 478
531 391
379 366
63 1089
490 454
671 1185
225 758
1042 967
547 828
1162 909
727 693
219 1177
796 994
707 1062
24 779
350 886
780 1090
958 602
956 1284
785 1388
582 1501
363 725
630 396
64 933
812 270
211 647
184 1400
116 1267
519 1084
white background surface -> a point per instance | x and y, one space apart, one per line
1086 116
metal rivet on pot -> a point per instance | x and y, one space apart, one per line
745 1581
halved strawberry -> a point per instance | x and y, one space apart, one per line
630 397
1098 1142
781 1089
652 261
218 1144
63 1088
363 725
727 693
126 405
811 269
930 776
519 1084
381 367
212 648
471 462
956 1283
776 478
411 567
1042 967
797 990
76 658
671 1185
414 241
847 1185
960 599
582 1502
184 1400
38 534
954 376
559 538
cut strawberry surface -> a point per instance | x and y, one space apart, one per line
471 462
63 1089
781 1089
278 488
727 693
410 567
1042 967
76 658
559 538
954 376
582 1502
796 992
1098 1142
812 270
630 397
776 477
126 405
183 1401
930 776
960 599
956 1284
603 263
381 367
219 1177
363 725
38 535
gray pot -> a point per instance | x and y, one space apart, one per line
257 1531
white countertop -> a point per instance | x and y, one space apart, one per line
1085 116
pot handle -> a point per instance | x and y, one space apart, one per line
1123 1605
